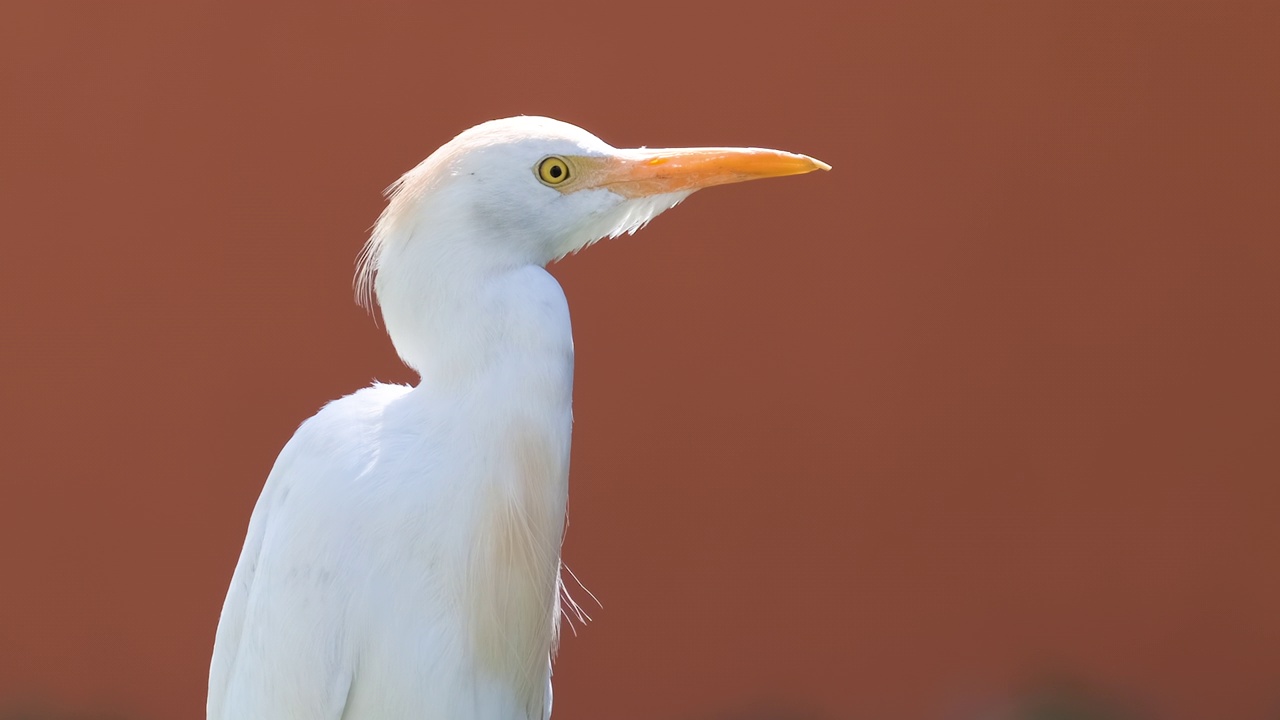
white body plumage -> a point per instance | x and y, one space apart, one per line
403 558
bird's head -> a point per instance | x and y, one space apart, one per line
529 190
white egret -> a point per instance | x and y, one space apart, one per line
403 560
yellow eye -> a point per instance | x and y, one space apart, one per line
553 170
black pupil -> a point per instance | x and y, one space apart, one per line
555 171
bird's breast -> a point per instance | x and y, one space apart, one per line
510 593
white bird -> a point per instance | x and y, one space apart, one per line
403 560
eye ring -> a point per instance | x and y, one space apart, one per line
553 170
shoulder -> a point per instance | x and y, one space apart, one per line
350 414
362 405
340 437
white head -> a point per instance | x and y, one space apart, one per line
528 190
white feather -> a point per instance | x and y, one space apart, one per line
403 560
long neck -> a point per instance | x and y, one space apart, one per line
493 345
433 304
453 309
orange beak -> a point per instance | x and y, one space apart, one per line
643 172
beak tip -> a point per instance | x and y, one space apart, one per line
819 165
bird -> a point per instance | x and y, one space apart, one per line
403 557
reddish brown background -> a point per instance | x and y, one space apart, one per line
993 401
